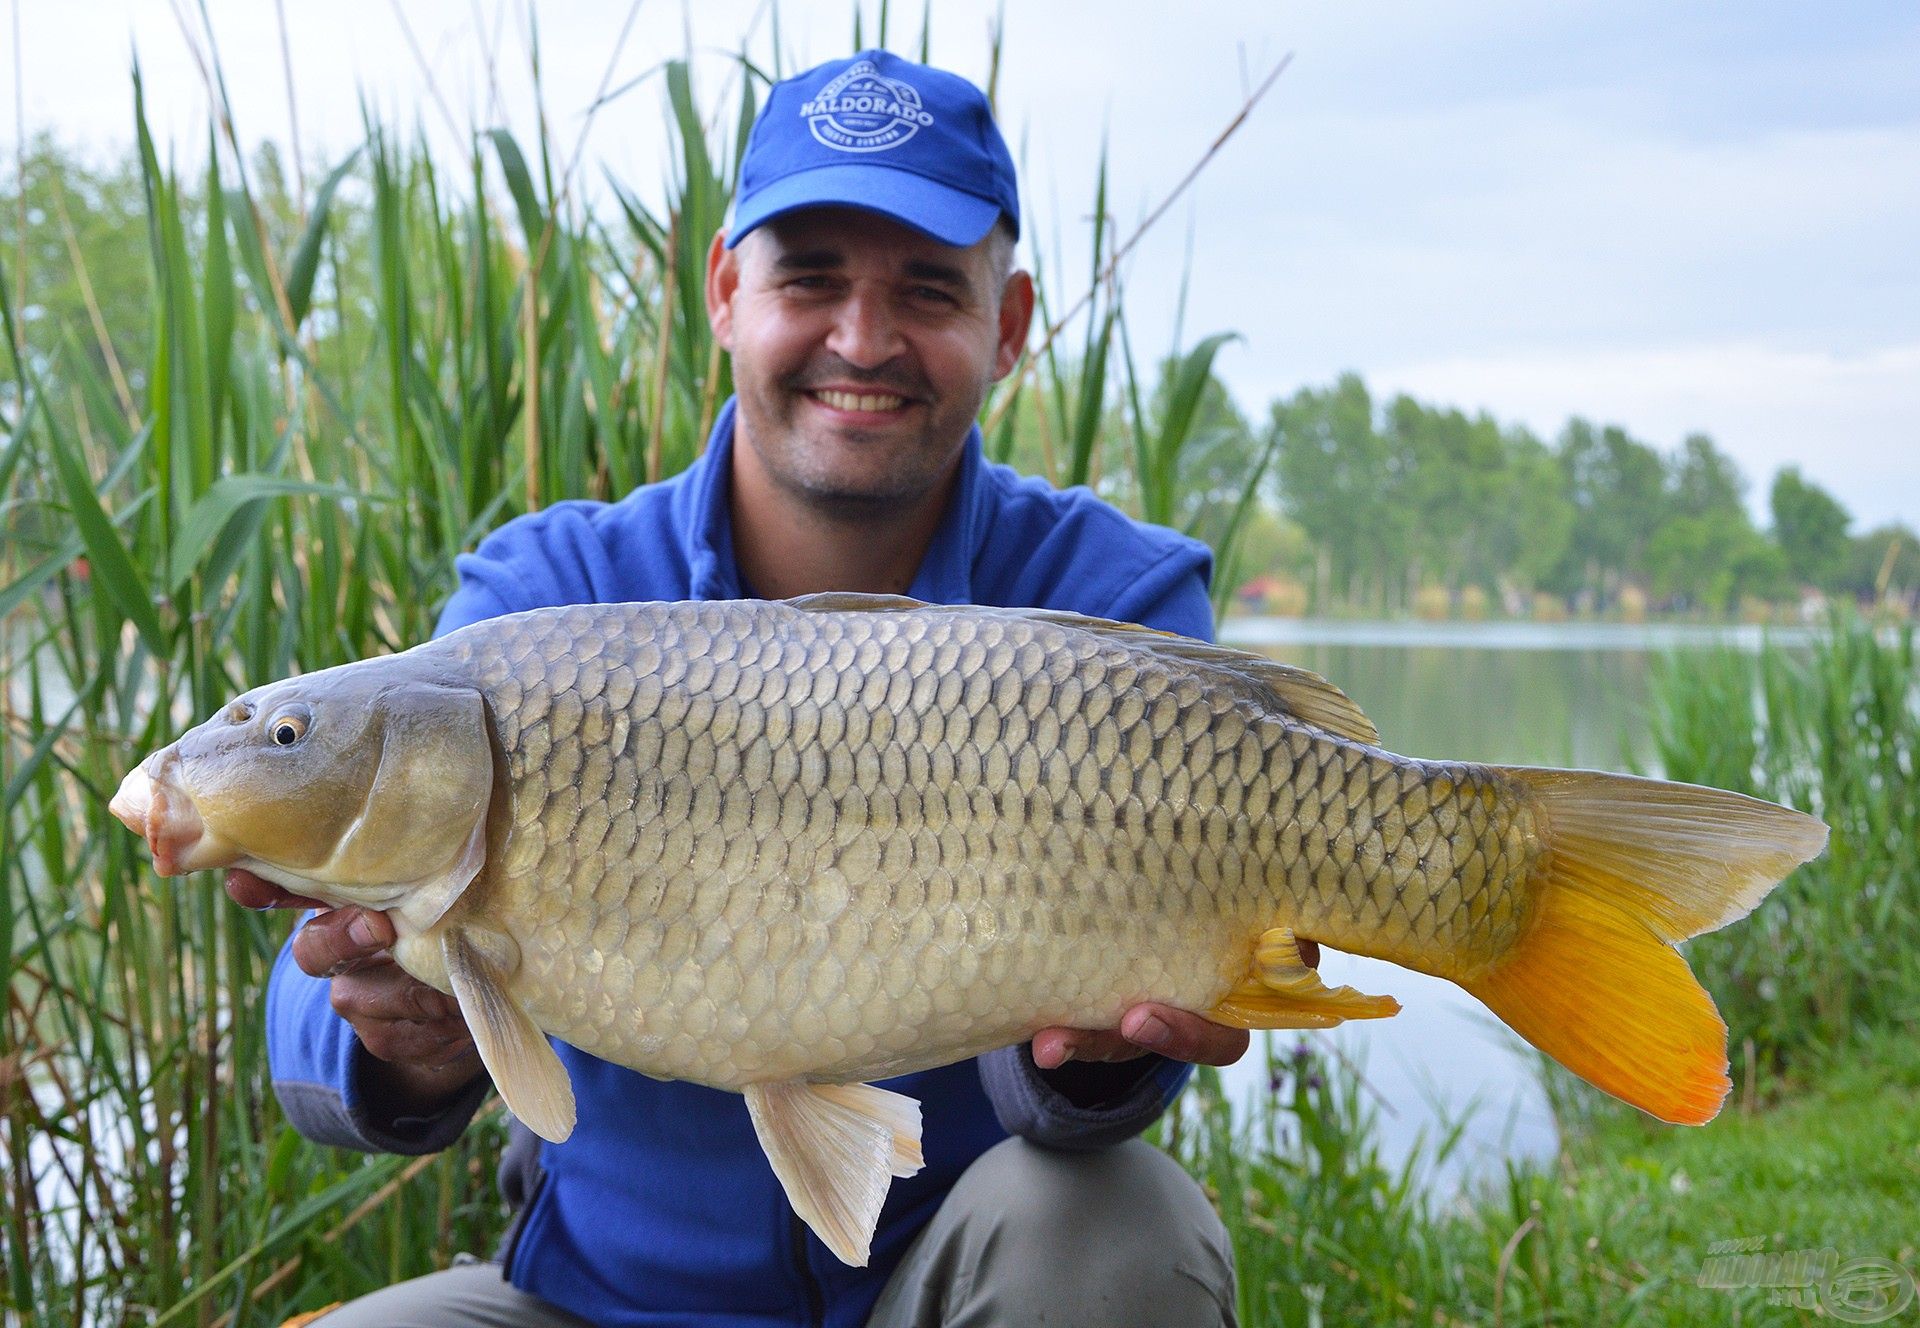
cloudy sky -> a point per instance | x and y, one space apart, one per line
1677 217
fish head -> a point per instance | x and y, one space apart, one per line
349 785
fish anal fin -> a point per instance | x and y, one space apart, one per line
525 1069
1283 992
836 1149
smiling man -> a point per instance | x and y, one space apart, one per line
865 289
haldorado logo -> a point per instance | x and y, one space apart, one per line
865 111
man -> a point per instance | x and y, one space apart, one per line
866 292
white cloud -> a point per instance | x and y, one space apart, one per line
1851 423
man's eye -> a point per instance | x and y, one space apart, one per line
934 294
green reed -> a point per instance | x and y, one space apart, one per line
344 389
1833 729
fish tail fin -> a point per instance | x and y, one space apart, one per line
1632 867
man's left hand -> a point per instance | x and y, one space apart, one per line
1176 1034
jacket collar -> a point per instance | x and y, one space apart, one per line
945 575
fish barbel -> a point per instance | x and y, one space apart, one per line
789 848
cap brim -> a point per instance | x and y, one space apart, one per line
951 216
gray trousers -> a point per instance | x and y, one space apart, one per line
1118 1238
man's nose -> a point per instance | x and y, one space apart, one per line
865 333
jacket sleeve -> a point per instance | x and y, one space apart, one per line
318 1065
1086 1106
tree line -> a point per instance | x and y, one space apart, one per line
1393 496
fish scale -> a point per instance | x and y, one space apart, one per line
789 848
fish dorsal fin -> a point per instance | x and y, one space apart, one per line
836 1149
1298 692
854 601
517 1054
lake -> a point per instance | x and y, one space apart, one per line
1570 694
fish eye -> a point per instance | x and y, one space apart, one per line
289 726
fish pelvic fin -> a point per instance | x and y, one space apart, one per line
1633 866
525 1069
836 1149
1283 992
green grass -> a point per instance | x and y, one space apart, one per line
1616 1231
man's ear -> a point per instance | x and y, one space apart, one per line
723 279
1016 316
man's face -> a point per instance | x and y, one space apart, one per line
862 350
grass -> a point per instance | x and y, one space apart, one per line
1617 1231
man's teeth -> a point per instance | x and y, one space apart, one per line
855 401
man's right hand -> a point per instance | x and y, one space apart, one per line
417 1035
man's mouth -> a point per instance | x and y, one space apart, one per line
863 402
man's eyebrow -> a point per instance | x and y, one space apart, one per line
809 260
925 269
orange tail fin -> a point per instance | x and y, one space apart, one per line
1635 866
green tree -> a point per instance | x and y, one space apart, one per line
1531 525
1699 552
1811 527
1617 487
1884 560
1336 481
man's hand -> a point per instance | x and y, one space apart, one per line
1176 1034
417 1033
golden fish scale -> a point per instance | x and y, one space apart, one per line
752 842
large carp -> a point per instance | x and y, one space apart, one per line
788 848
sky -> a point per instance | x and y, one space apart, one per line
1694 217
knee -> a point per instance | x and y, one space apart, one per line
1126 1221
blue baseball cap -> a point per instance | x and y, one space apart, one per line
881 133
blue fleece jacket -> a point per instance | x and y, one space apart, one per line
662 1209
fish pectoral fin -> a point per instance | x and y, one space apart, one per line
1283 992
836 1148
523 1064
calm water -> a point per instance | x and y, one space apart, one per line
1518 694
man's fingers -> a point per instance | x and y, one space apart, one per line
1181 1036
1054 1047
342 941
250 891
401 1019
389 995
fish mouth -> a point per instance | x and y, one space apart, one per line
154 806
